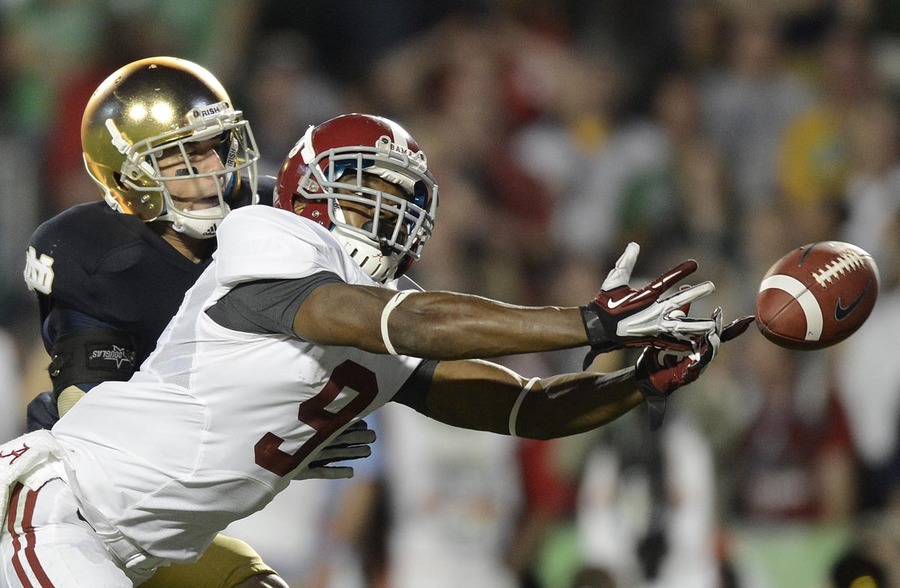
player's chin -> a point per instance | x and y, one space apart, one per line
201 203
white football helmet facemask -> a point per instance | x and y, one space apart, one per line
326 169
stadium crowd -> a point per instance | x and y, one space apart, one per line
720 130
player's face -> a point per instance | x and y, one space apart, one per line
198 192
361 215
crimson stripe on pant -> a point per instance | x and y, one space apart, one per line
11 519
29 538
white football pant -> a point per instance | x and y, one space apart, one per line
45 543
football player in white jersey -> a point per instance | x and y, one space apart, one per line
171 156
294 333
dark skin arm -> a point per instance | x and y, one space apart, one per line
435 325
457 329
479 395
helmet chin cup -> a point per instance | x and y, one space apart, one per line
199 224
108 197
368 255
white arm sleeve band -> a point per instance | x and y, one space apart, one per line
514 413
386 313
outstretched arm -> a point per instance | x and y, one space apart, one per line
449 326
482 395
435 325
477 394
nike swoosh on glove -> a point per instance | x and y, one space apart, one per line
622 316
660 371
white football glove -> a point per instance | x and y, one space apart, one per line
621 316
351 443
660 371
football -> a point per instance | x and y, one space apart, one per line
816 295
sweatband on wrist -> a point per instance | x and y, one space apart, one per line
593 327
656 403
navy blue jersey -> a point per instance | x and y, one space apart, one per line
111 270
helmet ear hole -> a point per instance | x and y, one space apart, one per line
117 177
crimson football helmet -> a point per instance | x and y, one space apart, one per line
326 168
164 104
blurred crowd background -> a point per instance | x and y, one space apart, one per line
730 131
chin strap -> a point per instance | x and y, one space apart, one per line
377 265
201 224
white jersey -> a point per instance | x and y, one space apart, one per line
216 421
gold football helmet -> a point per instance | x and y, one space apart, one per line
165 104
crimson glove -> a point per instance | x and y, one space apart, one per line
621 316
660 371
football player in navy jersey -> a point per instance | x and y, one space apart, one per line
172 156
107 282
292 334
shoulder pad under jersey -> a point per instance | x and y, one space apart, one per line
265 243
63 250
110 266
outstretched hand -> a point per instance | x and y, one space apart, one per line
622 316
354 442
660 371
